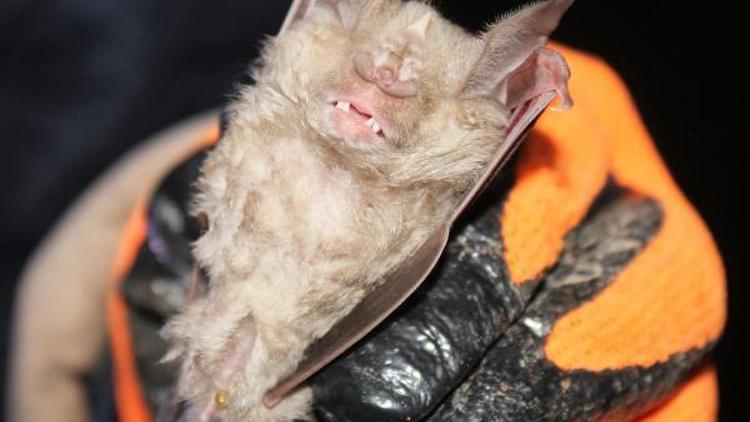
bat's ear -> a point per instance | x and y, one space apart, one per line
514 67
297 11
348 10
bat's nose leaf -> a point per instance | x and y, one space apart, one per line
405 280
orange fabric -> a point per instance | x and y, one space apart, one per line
561 169
130 401
127 389
671 298
696 401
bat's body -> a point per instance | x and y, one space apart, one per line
369 122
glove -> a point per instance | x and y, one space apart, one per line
583 286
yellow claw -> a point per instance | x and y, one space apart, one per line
221 398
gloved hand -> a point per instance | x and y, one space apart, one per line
583 286
469 345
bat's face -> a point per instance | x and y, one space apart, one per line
381 81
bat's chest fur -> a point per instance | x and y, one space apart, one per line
295 242
298 231
312 210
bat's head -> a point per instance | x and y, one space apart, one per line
401 91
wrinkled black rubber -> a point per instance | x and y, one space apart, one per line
154 290
516 382
410 364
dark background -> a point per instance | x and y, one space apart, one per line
82 81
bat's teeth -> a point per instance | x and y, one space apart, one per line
371 123
343 105
376 127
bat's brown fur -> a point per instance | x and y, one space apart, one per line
307 209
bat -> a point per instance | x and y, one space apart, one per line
372 124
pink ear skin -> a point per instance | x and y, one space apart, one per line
348 11
297 11
511 56
545 71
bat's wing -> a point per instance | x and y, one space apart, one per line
379 304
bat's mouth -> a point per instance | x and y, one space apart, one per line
355 121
